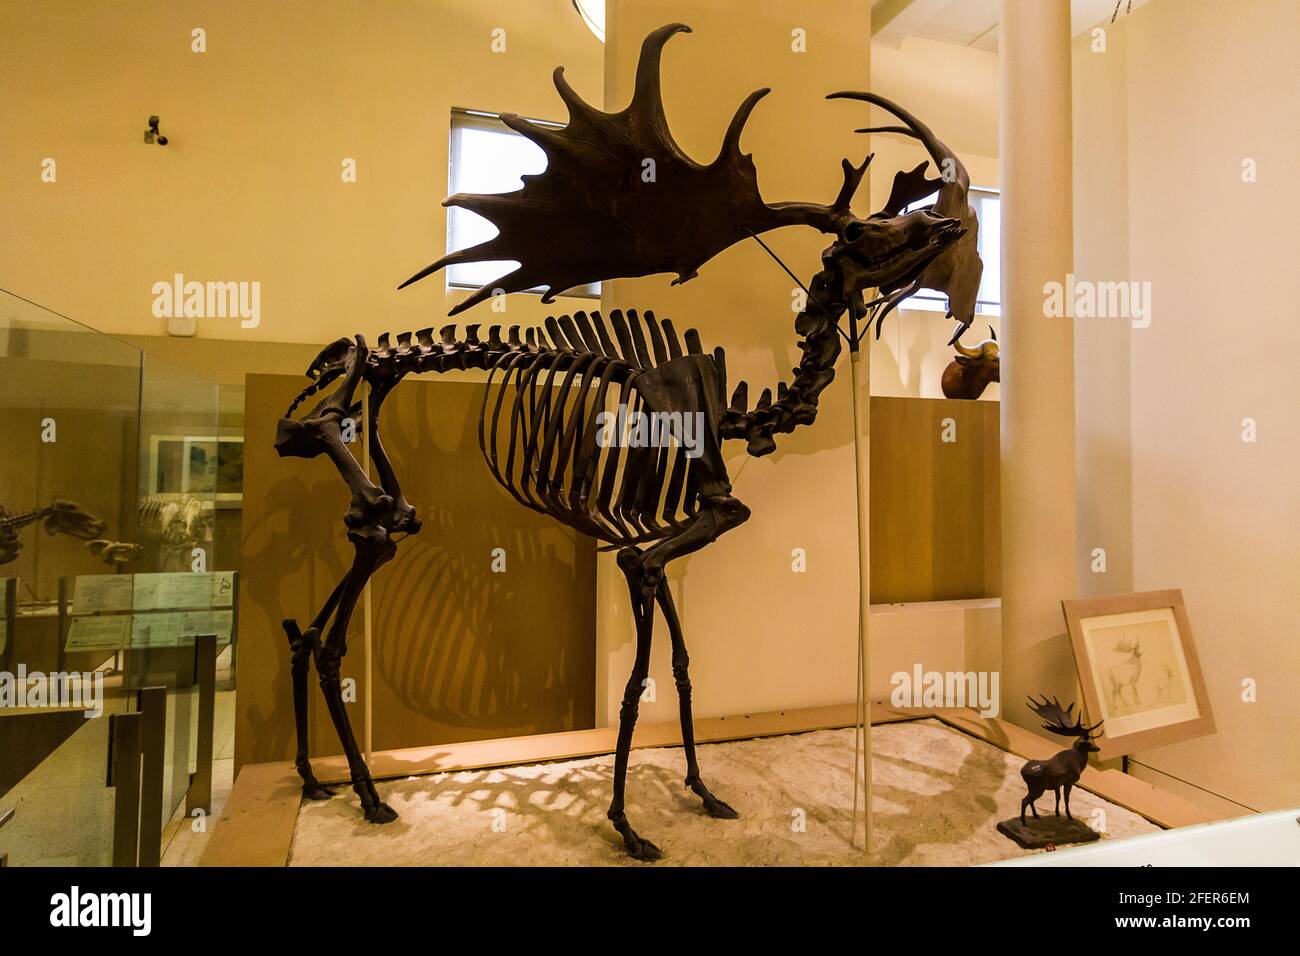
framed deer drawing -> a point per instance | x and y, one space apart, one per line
1138 670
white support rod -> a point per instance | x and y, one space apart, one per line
368 737
860 372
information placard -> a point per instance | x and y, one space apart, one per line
96 593
179 628
107 633
181 590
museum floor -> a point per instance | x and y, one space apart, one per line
938 795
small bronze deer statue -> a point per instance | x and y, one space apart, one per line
1063 770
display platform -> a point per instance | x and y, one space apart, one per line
1258 839
546 791
937 792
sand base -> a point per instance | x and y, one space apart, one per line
938 793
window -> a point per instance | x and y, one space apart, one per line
487 157
987 204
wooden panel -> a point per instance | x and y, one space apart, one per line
463 652
934 504
460 652
256 823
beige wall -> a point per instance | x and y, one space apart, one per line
249 188
1103 420
1204 88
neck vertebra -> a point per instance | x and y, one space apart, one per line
796 404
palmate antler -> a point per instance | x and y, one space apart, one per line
619 198
1062 721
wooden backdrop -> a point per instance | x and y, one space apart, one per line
463 653
460 652
934 503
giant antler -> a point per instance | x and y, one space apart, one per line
1061 720
619 198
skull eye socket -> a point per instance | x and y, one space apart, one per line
853 232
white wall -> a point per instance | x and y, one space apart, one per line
1206 86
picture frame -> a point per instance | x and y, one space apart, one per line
1138 670
204 466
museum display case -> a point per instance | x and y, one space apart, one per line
112 474
681 438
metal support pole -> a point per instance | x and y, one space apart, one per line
368 736
234 629
65 622
860 372
124 732
199 796
153 741
10 620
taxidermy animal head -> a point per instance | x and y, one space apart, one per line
973 369
619 198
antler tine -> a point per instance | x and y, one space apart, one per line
913 127
730 148
852 179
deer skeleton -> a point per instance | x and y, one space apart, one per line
589 218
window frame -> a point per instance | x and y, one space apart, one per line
930 300
465 118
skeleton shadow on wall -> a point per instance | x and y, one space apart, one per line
458 642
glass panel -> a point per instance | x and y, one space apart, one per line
988 211
70 400
180 482
108 489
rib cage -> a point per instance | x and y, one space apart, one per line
538 428
170 521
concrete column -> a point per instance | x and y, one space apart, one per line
1038 452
